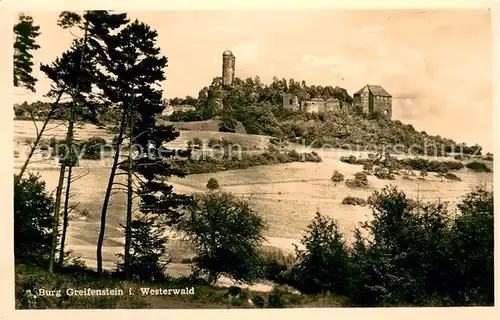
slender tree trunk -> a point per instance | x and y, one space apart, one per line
128 223
38 138
108 193
57 206
65 217
69 142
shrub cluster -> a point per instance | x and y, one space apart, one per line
91 148
354 201
360 180
337 176
211 164
393 165
477 166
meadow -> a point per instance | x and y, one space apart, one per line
286 195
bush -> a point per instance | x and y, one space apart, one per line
33 221
421 164
354 201
227 124
322 265
337 176
226 235
258 301
477 166
360 181
471 279
276 265
197 142
350 159
368 167
276 299
383 173
212 184
409 245
186 116
93 148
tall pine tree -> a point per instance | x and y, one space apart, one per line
26 33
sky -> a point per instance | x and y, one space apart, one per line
437 64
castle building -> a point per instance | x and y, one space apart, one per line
373 98
315 105
228 67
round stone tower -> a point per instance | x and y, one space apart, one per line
228 63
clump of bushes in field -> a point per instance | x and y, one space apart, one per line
354 201
477 166
337 177
196 143
227 161
386 167
449 176
360 180
89 149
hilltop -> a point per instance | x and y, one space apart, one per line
260 109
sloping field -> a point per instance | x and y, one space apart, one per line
286 195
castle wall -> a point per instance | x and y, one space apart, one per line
215 100
291 102
383 105
332 105
313 106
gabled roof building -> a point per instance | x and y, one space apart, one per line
373 98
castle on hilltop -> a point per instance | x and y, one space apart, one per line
370 99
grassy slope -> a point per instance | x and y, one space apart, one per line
287 195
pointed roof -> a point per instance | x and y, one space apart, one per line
373 89
227 53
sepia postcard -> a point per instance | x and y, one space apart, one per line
309 159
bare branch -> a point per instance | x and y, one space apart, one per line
80 176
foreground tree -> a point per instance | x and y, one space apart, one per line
415 253
226 235
136 66
24 43
472 239
33 221
147 252
322 266
159 206
76 74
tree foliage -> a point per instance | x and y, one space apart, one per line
322 264
26 33
226 235
148 254
33 221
